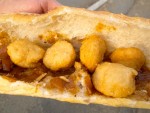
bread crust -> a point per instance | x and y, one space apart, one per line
115 30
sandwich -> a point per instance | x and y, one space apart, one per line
78 56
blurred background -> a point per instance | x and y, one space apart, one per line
22 104
128 7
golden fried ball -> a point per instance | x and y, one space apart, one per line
25 53
92 51
131 57
114 79
59 56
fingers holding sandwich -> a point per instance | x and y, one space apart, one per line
30 6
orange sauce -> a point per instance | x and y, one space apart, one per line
100 27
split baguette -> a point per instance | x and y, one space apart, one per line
76 24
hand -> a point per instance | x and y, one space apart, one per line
30 6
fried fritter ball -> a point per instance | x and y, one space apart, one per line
25 53
92 51
130 57
59 56
114 79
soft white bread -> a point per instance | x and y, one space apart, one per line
75 24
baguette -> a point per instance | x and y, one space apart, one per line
73 25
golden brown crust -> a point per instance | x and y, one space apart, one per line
122 102
114 28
